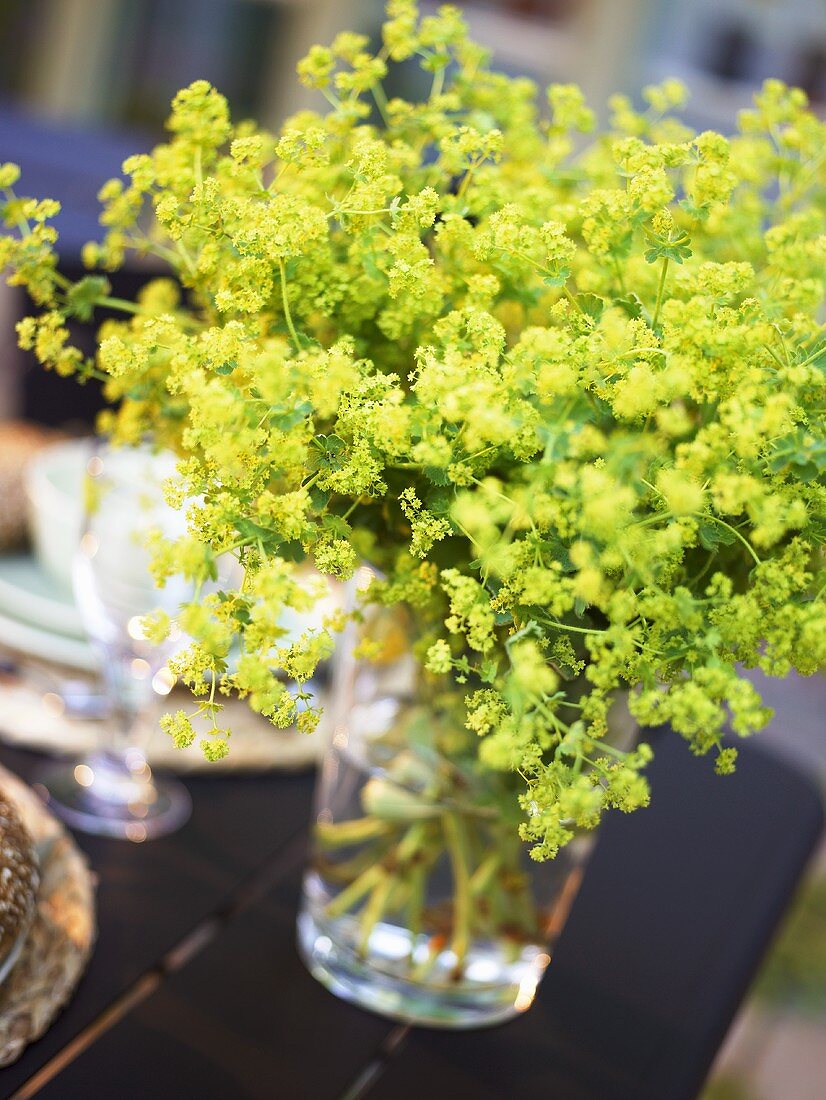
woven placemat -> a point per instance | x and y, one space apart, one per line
62 935
32 716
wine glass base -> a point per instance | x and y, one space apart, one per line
108 800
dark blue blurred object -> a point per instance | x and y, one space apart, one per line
67 162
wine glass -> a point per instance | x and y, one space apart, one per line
112 790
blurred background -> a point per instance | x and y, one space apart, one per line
124 71
83 83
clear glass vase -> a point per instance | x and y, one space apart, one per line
420 902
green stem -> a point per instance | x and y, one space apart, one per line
618 273
516 887
572 300
352 507
119 303
415 904
604 747
331 98
816 354
575 629
734 531
353 893
482 877
421 972
468 176
93 372
649 520
374 908
438 83
698 515
22 223
634 353
392 884
340 834
456 843
660 290
381 103
343 872
287 315
412 841
357 213
185 256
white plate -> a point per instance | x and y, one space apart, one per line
45 645
29 594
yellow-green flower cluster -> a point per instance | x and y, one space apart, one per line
568 399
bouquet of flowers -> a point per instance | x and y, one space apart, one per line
565 394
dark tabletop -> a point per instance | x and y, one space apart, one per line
195 989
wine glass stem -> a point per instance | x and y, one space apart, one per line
122 727
118 767
127 702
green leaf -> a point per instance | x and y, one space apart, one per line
714 535
488 670
240 612
531 629
286 418
801 454
319 498
700 213
338 525
556 445
668 248
555 550
437 475
326 449
631 305
591 304
251 530
331 444
439 503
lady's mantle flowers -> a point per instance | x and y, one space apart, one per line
568 399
